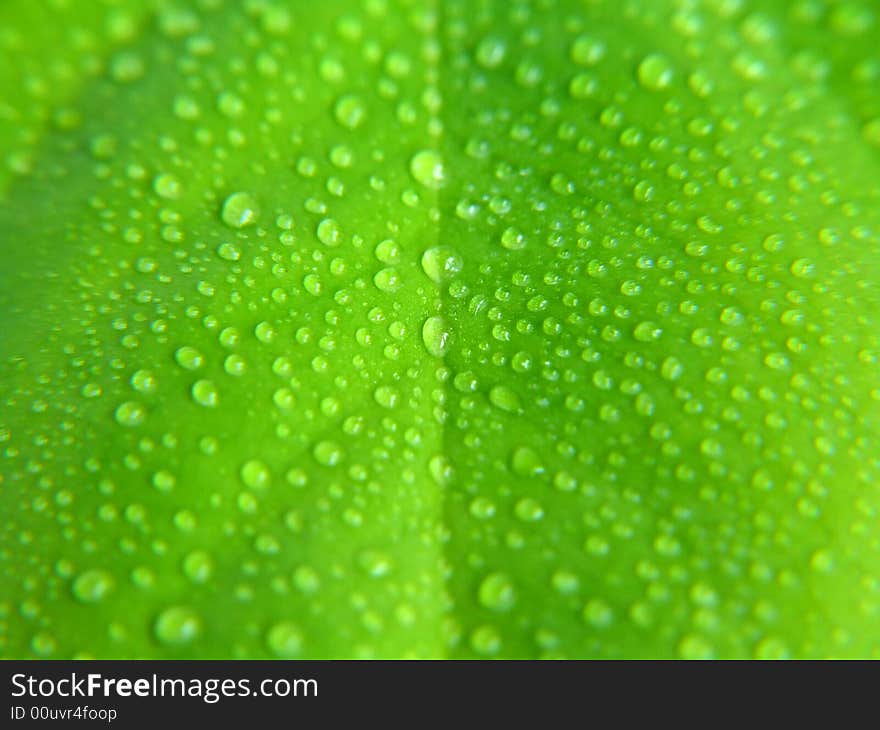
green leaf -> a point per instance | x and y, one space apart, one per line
401 328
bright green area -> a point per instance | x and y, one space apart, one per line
462 328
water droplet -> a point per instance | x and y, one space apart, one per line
565 582
239 210
163 480
693 646
130 414
198 566
513 239
772 648
230 105
306 579
655 72
435 336
482 508
143 381
375 563
264 332
350 111
521 362
526 461
126 67
284 398
486 640
235 365
387 251
496 592
647 332
205 393
504 398
822 561
427 168
228 251
189 358
387 280
329 233
167 186
671 369
587 50
803 268
441 263
328 453
177 625
491 51
255 474
440 470
43 644
386 396
598 613
92 585
285 640
871 132
528 510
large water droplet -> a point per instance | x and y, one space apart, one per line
350 111
92 585
329 233
496 592
427 168
655 72
435 335
441 263
130 414
177 625
255 474
285 640
205 393
328 453
189 358
239 210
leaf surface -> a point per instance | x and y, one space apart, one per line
440 329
